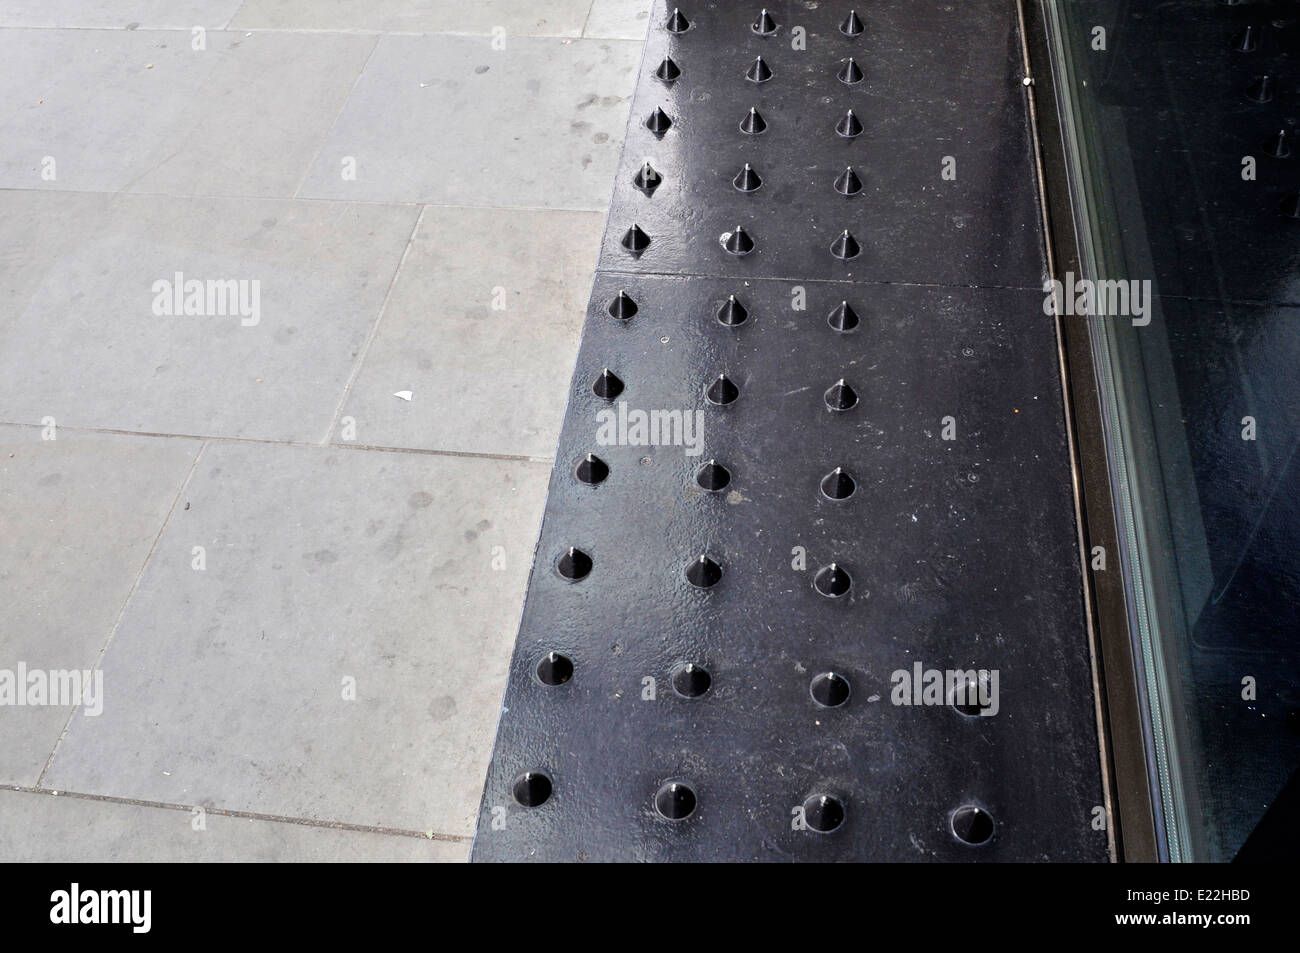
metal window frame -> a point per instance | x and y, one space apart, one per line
1132 749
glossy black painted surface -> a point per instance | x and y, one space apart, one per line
940 80
961 552
714 705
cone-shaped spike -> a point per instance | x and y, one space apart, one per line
848 127
554 669
852 25
1278 147
970 825
732 312
722 391
675 801
823 813
1291 205
531 789
573 564
843 318
713 476
647 180
738 242
703 573
607 386
635 240
1247 40
851 73
677 23
841 396
848 182
591 470
622 307
832 581
830 689
691 681
764 25
1261 91
838 485
759 72
845 246
753 123
747 179
668 70
658 123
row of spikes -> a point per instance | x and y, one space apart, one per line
764 25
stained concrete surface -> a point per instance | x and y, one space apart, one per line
299 591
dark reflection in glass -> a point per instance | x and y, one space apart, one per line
1183 116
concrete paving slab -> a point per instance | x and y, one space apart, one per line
78 517
482 330
45 828
37 231
516 18
84 343
449 120
618 19
342 655
145 111
121 14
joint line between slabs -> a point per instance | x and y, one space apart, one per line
135 584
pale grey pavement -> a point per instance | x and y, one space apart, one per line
300 590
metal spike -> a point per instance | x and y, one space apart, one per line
607 385
747 179
849 127
845 246
1278 147
971 825
713 476
830 689
635 240
1261 91
832 581
647 180
573 564
753 123
554 669
843 318
722 391
691 681
703 573
738 242
591 470
838 485
531 789
658 123
759 72
667 71
732 312
840 396
675 801
622 307
823 813
764 25
848 182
